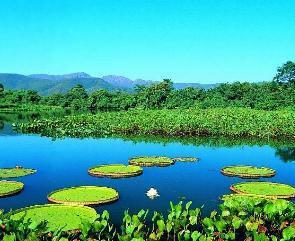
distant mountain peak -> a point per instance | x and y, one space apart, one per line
77 75
118 80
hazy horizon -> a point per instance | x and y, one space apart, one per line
187 41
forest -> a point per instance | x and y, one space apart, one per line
272 95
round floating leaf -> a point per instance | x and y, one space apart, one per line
67 217
264 189
185 159
248 171
8 188
115 171
84 195
149 161
15 172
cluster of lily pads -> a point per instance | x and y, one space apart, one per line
70 212
258 189
72 200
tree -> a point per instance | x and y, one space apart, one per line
76 98
1 90
155 95
286 73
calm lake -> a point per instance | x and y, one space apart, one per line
64 163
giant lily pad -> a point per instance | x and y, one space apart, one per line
248 171
84 195
65 217
115 171
264 189
15 172
8 188
149 161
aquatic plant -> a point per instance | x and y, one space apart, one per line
115 171
267 189
15 172
57 217
84 195
248 171
8 188
238 218
149 161
230 122
185 159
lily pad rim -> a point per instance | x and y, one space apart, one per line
132 161
10 168
13 192
114 174
234 189
110 200
222 197
245 175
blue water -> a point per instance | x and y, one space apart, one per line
64 163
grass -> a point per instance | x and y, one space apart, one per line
248 171
230 122
151 161
115 170
84 195
15 172
267 189
57 216
10 187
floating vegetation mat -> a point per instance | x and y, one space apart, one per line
115 171
67 217
264 189
248 171
150 161
15 172
185 159
84 195
8 188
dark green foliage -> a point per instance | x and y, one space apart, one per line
238 218
264 96
231 122
286 73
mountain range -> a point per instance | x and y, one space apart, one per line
49 84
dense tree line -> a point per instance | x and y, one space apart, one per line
276 94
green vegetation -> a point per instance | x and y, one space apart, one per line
149 161
8 188
115 171
274 95
237 218
15 172
248 171
56 216
233 122
268 189
84 195
185 159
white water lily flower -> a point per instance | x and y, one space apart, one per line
152 193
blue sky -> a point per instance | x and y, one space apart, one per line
185 40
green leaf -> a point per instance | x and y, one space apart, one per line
289 233
195 235
161 225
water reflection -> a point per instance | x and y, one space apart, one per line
287 154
